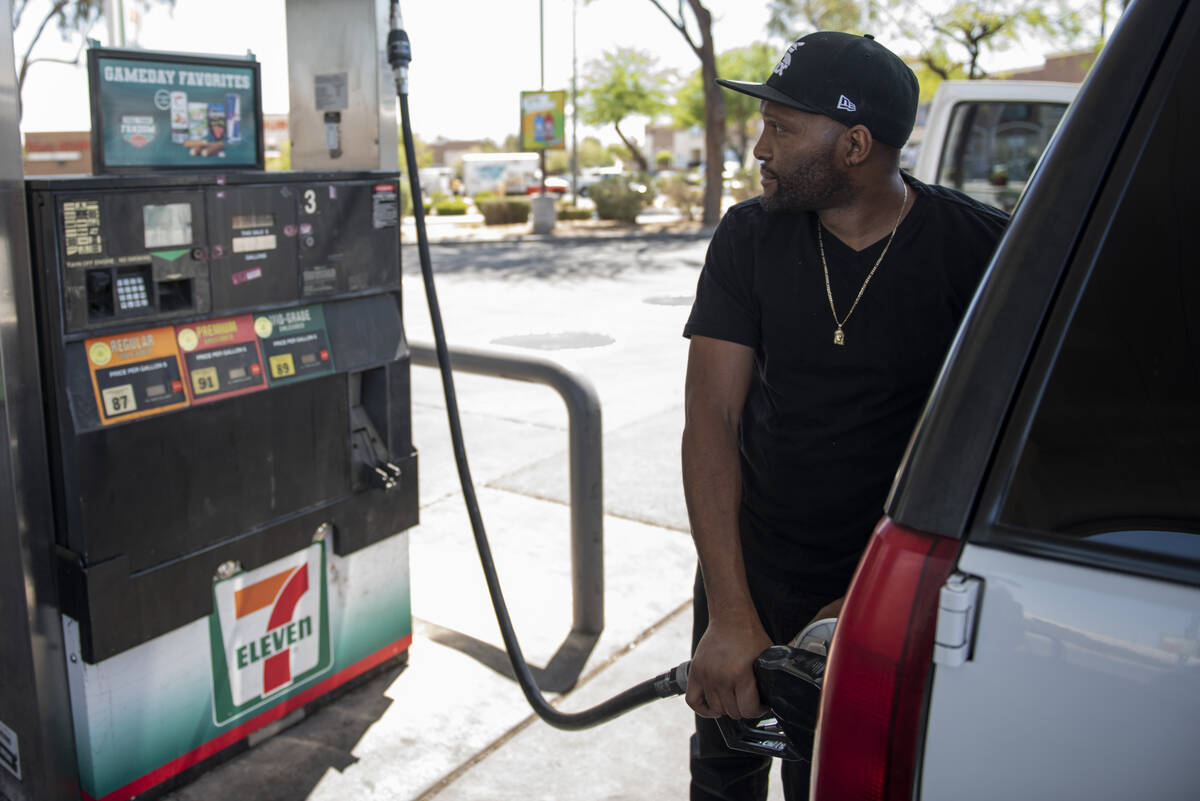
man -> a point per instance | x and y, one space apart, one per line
822 314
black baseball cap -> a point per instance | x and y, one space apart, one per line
852 79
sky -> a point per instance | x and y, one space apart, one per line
471 58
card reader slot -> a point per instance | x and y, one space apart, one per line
175 295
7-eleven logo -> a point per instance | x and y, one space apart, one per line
269 632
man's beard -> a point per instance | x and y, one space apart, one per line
815 184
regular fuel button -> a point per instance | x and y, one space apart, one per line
135 375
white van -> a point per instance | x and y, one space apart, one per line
985 137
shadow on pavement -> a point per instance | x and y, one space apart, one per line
559 675
291 764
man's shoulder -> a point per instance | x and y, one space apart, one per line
958 205
749 220
744 215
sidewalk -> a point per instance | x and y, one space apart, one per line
471 228
451 725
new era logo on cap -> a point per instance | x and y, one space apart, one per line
846 104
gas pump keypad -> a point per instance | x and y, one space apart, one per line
131 293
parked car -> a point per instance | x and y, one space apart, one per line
554 185
591 175
1025 622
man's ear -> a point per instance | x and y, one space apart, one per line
859 144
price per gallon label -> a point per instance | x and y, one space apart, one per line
295 344
136 375
222 358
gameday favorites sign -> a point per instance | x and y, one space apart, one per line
269 632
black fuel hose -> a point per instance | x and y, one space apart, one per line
672 682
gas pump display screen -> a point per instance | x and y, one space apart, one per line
168 225
173 110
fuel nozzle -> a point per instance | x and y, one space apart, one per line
789 679
399 49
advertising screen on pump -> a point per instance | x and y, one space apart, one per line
165 113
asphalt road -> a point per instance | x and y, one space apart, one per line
611 310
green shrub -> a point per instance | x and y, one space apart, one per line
437 197
406 206
504 211
746 183
618 198
486 194
567 212
447 208
683 194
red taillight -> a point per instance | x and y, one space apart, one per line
874 689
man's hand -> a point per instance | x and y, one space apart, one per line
831 609
721 679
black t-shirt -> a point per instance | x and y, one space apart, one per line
825 425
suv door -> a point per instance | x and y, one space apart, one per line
1084 676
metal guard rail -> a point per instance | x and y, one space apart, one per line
585 457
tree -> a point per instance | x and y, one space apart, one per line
752 63
557 162
714 99
593 154
616 153
966 30
421 148
814 15
74 18
622 83
950 37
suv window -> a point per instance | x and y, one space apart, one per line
1113 451
992 148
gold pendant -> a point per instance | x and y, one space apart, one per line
838 337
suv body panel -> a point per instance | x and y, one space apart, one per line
1082 684
1084 681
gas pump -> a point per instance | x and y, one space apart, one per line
228 415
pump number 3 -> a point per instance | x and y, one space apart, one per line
310 201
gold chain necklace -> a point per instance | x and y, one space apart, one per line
839 336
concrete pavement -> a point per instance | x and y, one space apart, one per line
452 725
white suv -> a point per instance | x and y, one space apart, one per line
1025 623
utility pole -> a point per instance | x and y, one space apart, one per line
542 75
574 112
114 18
